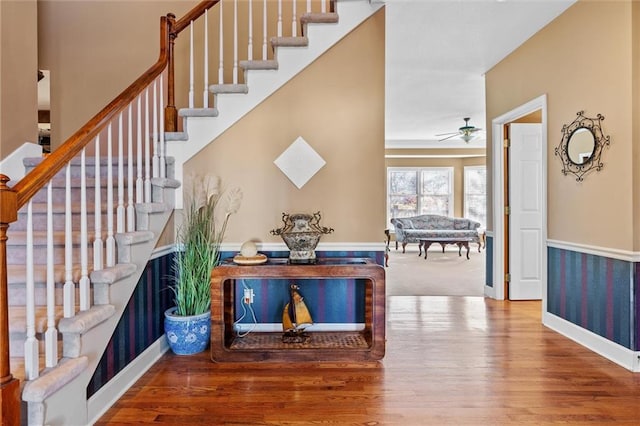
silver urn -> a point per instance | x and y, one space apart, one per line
301 233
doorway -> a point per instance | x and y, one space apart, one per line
504 237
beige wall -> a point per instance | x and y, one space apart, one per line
338 108
412 159
94 50
18 75
581 61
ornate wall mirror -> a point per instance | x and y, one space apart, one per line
581 145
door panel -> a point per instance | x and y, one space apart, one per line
525 219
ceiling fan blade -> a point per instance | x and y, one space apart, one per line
448 137
446 134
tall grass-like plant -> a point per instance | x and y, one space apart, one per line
206 213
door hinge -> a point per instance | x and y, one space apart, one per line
506 143
507 210
507 278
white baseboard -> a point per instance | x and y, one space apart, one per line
612 351
489 291
107 395
277 327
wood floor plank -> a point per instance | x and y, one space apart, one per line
449 361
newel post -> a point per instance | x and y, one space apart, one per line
170 112
9 386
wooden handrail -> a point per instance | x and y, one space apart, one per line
192 15
12 199
53 163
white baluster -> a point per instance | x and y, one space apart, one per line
205 92
31 349
221 46
156 165
323 7
97 214
294 20
69 288
264 30
250 41
190 66
51 335
147 149
131 210
235 41
84 284
111 241
139 164
120 207
279 18
161 147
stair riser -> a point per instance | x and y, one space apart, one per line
18 294
59 194
40 221
18 255
76 170
16 345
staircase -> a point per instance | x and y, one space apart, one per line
68 293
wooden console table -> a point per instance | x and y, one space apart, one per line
365 345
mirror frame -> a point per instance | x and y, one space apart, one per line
593 125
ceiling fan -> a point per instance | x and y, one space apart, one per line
465 132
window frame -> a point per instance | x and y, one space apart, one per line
419 194
465 202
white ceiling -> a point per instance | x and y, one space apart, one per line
437 52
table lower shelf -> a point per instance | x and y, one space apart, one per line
317 340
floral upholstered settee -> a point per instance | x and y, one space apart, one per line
413 229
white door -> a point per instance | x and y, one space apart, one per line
526 215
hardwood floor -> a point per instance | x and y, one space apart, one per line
449 360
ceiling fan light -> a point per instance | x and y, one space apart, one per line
467 137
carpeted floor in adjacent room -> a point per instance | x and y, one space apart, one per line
441 274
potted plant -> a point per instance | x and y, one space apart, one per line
206 213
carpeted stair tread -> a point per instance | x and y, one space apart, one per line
195 112
84 321
17 362
319 18
135 237
113 274
229 88
289 41
53 379
259 64
165 182
176 136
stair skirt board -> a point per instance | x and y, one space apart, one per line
268 78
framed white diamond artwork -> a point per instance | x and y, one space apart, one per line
299 162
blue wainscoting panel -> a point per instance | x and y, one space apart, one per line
488 252
636 291
141 324
329 301
593 292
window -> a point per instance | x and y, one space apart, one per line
475 194
413 191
